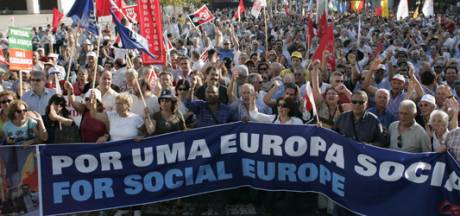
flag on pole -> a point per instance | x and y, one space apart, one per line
427 9
415 15
310 33
131 39
239 11
257 7
204 55
57 17
82 13
357 5
322 25
403 10
310 105
201 16
326 43
385 11
103 8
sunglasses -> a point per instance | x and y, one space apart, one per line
399 141
21 111
263 69
6 101
358 102
35 80
181 89
282 105
165 100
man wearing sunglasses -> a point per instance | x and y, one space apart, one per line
37 98
360 124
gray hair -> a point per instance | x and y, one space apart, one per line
247 85
409 104
441 114
383 91
131 72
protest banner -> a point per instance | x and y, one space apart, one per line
20 48
151 28
363 178
201 16
18 181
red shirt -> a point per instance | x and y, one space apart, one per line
90 128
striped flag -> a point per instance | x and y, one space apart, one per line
385 11
204 55
357 5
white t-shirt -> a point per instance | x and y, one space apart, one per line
124 128
108 100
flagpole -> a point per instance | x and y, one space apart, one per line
130 66
266 28
20 83
96 61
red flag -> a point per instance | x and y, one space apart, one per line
357 5
57 17
102 8
310 33
204 55
326 43
201 16
378 11
322 25
239 10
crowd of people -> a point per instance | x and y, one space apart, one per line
402 97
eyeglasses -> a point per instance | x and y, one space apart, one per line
21 111
6 101
263 69
358 102
181 89
399 141
423 105
282 105
35 80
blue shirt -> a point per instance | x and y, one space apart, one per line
38 103
393 105
205 117
386 118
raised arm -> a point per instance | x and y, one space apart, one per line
416 84
369 77
315 83
79 107
95 114
231 87
268 97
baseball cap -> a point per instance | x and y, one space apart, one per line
96 92
429 99
53 55
296 54
92 54
399 77
167 94
87 41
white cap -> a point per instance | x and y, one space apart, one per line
92 54
53 55
429 99
96 92
399 77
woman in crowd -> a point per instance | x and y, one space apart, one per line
437 129
123 123
91 129
182 88
24 127
328 105
6 98
60 126
82 80
286 111
168 119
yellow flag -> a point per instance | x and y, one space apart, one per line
415 15
385 12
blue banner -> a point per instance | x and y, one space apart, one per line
365 179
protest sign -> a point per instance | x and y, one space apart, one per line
151 27
20 48
363 178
